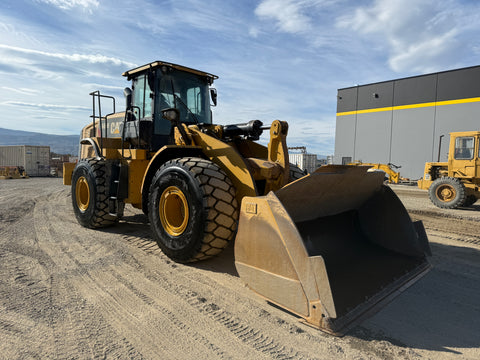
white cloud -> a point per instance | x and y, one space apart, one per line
70 4
253 31
90 58
295 16
44 106
419 35
23 91
289 14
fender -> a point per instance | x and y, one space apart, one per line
166 153
93 144
217 151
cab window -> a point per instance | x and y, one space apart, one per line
142 99
464 148
194 100
184 91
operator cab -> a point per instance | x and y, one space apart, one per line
158 86
464 148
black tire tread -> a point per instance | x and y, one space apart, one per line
454 182
222 206
219 203
101 217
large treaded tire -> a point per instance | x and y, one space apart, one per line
447 193
192 209
90 194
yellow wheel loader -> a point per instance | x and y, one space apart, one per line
455 183
315 246
13 172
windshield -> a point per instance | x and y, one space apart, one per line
189 93
464 147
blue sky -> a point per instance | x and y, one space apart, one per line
276 59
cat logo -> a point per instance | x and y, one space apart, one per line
115 128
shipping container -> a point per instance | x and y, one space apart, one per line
35 159
304 161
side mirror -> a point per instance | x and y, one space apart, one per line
171 114
213 95
127 92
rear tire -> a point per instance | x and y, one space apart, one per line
90 194
192 209
447 193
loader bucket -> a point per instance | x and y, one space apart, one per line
331 247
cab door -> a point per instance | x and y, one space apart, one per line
465 158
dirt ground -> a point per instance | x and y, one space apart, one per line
71 292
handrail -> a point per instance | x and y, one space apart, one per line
96 94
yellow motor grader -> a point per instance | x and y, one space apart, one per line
315 246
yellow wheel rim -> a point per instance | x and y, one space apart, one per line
82 193
446 193
173 210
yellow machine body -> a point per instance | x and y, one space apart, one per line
12 172
232 158
393 176
316 246
459 175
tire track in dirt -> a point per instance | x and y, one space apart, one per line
449 227
113 294
243 330
174 319
247 335
78 327
113 306
24 285
254 338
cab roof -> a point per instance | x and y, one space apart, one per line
156 64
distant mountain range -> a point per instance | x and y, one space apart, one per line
59 144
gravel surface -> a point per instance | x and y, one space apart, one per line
71 292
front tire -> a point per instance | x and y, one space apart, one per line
192 209
90 194
447 193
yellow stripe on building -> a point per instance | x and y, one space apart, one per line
412 106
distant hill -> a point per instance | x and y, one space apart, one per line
60 144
